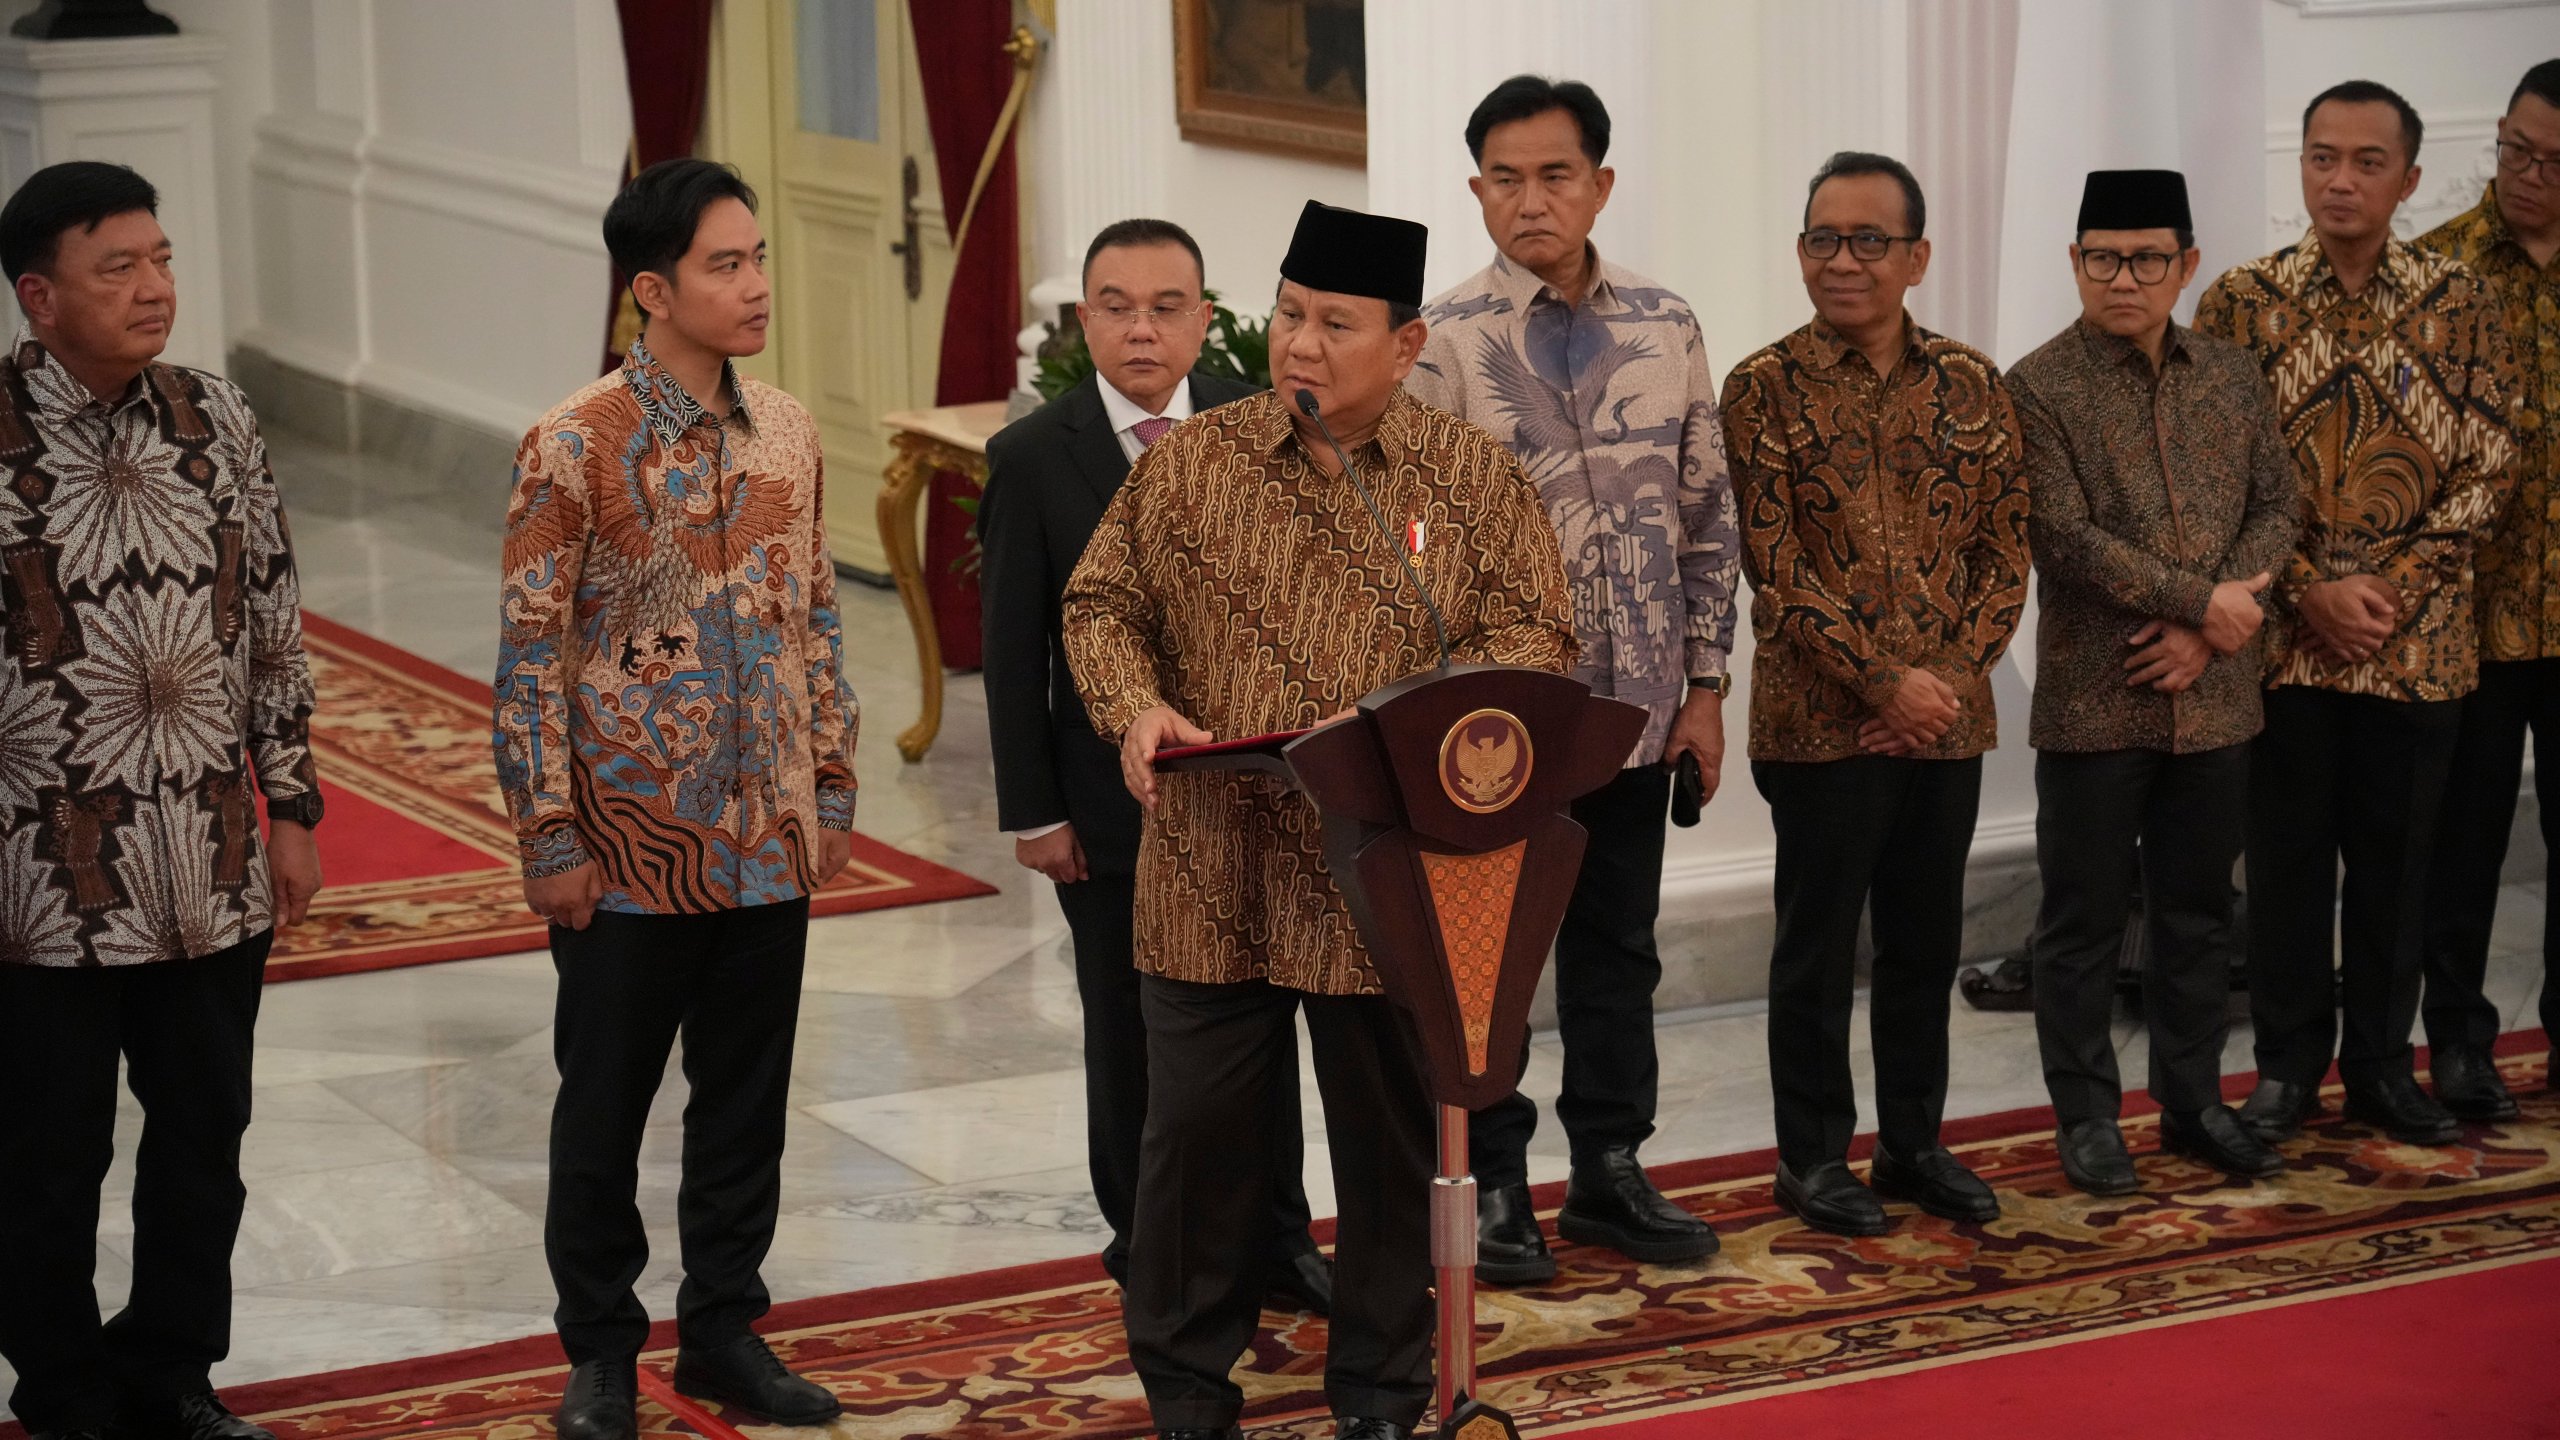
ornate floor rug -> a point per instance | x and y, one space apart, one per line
419 856
1782 1313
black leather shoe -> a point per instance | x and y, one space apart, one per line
1611 1202
2467 1084
201 1416
1303 1282
1361 1427
1510 1249
2216 1136
2094 1158
746 1373
2276 1110
1830 1197
76 1432
599 1403
2399 1109
1937 1182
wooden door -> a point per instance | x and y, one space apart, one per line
818 102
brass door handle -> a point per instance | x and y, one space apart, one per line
910 249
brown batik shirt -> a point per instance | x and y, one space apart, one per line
154 667
2395 401
1884 527
2518 565
2150 487
1235 582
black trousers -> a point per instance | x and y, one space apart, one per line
729 981
1876 832
2361 777
2515 698
1606 971
1099 916
1195 1275
185 1030
2186 816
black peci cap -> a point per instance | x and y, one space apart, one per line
2135 200
1351 252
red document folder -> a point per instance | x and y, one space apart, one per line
1224 754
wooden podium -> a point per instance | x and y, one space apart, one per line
1443 806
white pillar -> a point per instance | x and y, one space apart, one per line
144 101
1102 104
1963 56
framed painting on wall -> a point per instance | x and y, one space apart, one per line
1289 76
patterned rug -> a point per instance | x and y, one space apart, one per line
417 852
1037 1351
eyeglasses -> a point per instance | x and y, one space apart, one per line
2150 267
1121 317
2516 159
1865 245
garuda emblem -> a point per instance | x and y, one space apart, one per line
1484 761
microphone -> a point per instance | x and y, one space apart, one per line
1306 400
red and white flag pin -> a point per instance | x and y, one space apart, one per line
1413 537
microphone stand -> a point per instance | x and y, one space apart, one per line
1453 1188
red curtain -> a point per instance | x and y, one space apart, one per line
666 61
967 74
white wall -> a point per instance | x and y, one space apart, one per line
424 189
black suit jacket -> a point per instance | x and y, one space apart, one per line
1049 476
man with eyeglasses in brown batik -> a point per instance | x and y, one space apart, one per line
2510 239
2164 504
1884 516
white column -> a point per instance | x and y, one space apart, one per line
1963 56
1430 61
1101 111
146 102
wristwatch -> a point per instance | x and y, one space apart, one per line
303 809
1721 684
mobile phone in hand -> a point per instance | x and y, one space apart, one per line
1688 790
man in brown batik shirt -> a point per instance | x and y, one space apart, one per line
2511 239
2391 373
2164 503
1238 585
1884 515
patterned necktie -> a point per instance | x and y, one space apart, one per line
1150 430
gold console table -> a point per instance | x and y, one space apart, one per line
922 442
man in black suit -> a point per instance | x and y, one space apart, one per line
1058 788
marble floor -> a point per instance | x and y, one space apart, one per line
395 1168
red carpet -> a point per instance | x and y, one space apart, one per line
2469 1355
418 853
2372 1289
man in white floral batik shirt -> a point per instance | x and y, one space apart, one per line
153 687
1596 379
